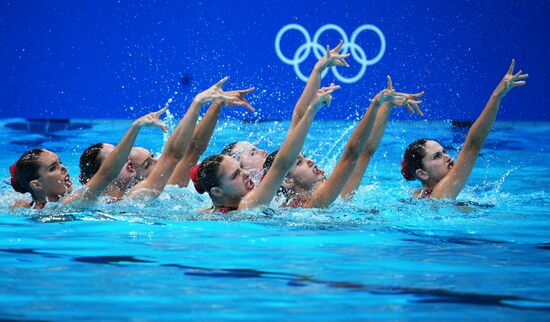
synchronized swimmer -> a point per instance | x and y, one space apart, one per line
244 176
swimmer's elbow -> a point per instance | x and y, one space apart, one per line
369 151
351 153
474 145
174 154
105 175
197 148
283 162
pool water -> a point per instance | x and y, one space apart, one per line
380 256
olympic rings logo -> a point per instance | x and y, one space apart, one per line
357 53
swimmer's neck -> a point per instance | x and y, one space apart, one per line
427 187
223 201
429 184
304 192
117 189
299 193
42 200
39 202
226 203
417 193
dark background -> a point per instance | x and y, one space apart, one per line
108 59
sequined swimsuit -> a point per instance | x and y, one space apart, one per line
224 209
425 193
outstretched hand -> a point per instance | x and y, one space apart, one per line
153 119
213 93
237 98
323 96
389 95
333 58
511 80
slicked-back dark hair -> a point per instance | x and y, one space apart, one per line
412 159
267 165
269 162
90 162
209 175
229 150
26 170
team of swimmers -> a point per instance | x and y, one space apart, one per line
244 176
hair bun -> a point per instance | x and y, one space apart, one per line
406 172
194 175
15 185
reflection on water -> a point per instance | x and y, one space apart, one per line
421 295
46 129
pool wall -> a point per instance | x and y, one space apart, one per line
82 59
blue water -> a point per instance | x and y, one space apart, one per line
380 256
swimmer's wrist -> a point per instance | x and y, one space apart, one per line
376 100
137 124
319 67
498 93
197 101
313 108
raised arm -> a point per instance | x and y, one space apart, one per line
286 157
328 191
374 140
331 58
114 162
203 133
177 145
451 185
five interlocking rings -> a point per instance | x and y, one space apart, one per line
304 50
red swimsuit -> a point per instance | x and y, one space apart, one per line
295 203
38 205
225 209
425 193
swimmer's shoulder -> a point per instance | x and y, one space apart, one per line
21 203
205 210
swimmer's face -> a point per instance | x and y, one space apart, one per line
305 173
53 180
143 161
127 172
235 182
250 157
436 163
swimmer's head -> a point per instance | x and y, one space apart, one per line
223 178
93 157
41 173
303 176
90 162
427 161
144 162
249 156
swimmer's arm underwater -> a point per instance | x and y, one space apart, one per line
177 145
287 155
451 185
331 58
203 134
112 165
